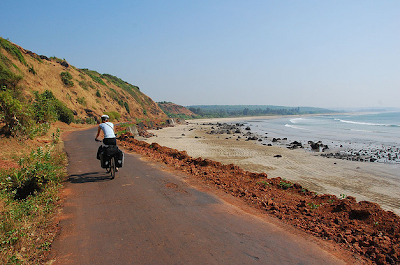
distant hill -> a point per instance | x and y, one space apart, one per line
252 110
86 92
221 111
176 111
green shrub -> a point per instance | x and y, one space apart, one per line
64 113
36 170
98 94
285 185
90 120
16 116
113 115
44 107
66 77
48 109
127 107
31 70
81 101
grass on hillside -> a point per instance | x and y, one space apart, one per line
12 49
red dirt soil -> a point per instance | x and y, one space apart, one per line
361 227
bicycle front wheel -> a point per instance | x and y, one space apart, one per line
112 167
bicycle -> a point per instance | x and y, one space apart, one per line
111 167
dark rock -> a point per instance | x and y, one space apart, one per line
44 57
64 63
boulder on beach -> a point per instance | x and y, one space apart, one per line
294 145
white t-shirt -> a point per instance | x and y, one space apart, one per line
108 129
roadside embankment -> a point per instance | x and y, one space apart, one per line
362 227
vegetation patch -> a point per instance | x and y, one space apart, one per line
66 78
84 85
12 49
7 77
32 70
29 119
94 75
134 91
81 101
131 89
127 107
113 115
28 196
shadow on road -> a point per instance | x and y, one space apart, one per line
89 177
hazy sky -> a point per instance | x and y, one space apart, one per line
292 53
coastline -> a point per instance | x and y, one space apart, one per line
375 182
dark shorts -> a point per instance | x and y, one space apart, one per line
110 141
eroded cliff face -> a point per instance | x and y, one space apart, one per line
87 93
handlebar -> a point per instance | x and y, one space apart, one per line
97 140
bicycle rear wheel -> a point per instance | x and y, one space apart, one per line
112 167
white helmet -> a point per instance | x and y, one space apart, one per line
105 117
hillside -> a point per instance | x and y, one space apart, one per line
176 111
86 92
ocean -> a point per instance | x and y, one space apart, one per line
376 132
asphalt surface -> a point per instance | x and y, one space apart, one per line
149 216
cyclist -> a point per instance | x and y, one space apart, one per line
108 130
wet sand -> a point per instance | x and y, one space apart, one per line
374 182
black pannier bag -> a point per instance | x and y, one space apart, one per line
112 150
104 159
105 154
119 159
99 152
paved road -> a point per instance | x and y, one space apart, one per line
149 216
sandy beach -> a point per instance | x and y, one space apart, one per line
374 182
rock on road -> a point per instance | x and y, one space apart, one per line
150 216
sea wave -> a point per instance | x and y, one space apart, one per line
354 130
367 123
296 120
296 127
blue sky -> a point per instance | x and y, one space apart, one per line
292 53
